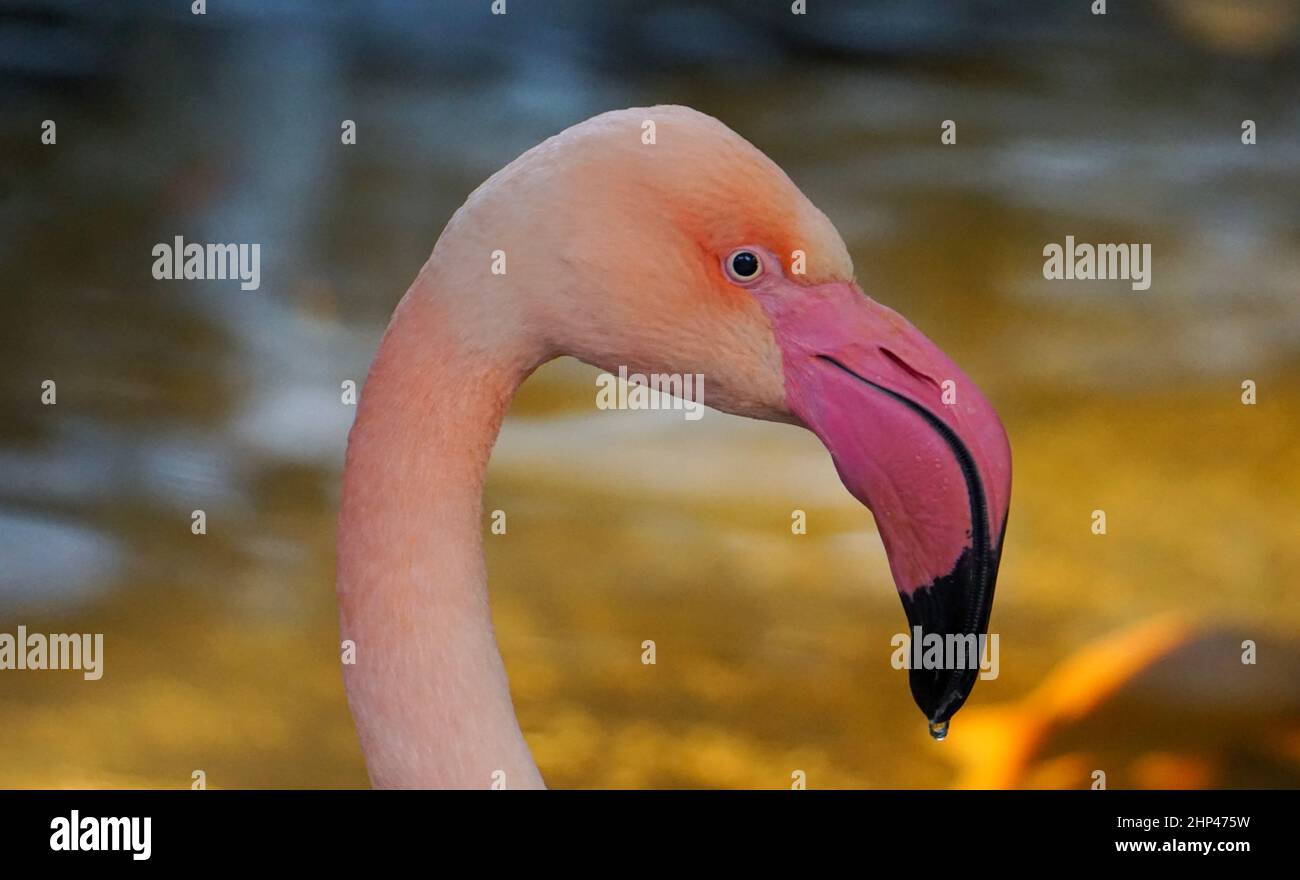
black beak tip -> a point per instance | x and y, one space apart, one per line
950 616
940 693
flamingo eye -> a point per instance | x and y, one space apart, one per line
744 266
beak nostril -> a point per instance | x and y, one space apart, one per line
908 368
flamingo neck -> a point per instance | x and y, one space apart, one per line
428 688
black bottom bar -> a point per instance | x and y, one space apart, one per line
938 830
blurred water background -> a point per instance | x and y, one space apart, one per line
221 650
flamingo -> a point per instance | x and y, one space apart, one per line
688 251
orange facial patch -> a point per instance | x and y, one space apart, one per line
750 201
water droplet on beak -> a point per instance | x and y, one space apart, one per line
938 730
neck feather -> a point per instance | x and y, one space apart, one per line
428 690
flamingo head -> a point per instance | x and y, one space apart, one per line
696 254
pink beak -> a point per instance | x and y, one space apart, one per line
915 441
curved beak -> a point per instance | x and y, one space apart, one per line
915 441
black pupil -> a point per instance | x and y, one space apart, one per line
744 264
